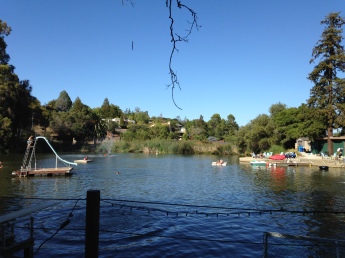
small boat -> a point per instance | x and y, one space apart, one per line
215 163
258 163
84 161
277 157
324 168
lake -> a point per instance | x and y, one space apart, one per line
180 206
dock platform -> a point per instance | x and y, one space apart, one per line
306 160
59 171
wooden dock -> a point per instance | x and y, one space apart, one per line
27 170
8 244
298 162
59 171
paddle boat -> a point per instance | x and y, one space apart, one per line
258 163
217 163
324 168
83 161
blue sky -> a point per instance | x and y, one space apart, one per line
246 56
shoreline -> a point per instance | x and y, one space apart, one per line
303 159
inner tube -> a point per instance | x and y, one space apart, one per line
323 167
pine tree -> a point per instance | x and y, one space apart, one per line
327 95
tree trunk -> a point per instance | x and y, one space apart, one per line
329 141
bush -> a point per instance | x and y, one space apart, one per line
276 149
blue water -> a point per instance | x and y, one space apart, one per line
177 206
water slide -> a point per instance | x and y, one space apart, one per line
57 156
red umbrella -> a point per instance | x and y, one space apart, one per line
277 157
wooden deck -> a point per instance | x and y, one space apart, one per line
59 171
9 245
301 161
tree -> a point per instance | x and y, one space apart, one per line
287 125
5 30
231 128
276 108
16 102
213 123
197 129
64 102
95 127
79 114
141 117
327 95
108 110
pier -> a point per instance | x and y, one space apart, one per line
303 159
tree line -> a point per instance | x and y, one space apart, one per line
21 113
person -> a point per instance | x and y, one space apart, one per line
221 161
30 140
339 152
86 158
0 164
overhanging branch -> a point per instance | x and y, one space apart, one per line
175 38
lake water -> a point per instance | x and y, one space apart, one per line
179 206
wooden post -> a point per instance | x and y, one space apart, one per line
92 223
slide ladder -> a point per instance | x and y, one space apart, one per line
29 149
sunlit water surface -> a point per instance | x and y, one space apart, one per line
176 206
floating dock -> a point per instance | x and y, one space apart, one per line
64 171
27 170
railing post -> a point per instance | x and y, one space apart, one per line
92 223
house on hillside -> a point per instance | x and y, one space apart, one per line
117 120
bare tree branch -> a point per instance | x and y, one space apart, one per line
128 1
175 38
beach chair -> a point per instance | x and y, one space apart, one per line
335 156
324 156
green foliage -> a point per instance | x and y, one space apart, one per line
5 30
108 110
95 127
166 146
276 149
15 98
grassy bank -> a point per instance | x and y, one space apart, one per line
169 146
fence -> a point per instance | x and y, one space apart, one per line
282 245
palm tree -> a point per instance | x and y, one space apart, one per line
96 128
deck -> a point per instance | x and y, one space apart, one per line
59 171
306 160
10 244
